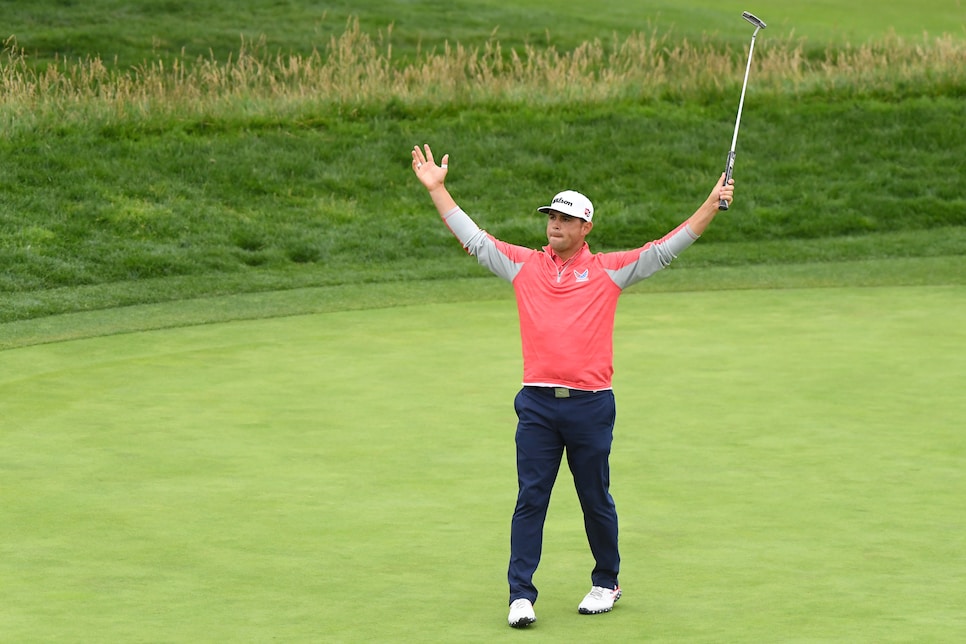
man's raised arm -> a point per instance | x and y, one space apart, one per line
433 176
699 221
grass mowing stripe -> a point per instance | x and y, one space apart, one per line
788 465
208 310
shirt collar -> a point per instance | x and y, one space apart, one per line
556 258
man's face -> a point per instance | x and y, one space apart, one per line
565 234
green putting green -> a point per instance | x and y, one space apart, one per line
788 465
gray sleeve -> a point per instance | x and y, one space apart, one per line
460 224
652 257
488 251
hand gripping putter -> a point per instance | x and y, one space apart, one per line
730 165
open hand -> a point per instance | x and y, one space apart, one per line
431 175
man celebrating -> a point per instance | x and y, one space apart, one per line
566 297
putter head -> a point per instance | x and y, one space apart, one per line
753 19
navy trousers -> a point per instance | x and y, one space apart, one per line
582 425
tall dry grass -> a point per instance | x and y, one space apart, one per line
357 69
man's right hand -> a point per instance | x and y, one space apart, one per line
429 174
432 177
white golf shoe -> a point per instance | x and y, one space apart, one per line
521 613
599 600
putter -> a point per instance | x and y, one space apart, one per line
730 165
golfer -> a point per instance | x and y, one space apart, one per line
566 300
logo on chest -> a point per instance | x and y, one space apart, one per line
582 276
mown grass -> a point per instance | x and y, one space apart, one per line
264 170
787 465
119 308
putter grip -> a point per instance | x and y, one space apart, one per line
729 168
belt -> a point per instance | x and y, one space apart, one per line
561 392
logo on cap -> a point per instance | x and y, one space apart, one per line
572 203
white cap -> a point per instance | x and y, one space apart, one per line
572 203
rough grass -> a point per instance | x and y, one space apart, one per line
358 69
261 170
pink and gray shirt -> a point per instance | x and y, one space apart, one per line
567 308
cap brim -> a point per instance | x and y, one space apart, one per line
546 210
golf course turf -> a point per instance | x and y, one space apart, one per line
787 466
252 390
